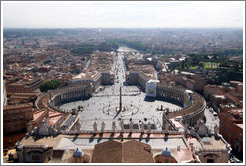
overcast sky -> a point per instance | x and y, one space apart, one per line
123 14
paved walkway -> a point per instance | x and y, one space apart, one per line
88 143
211 120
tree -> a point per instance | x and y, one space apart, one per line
115 45
49 85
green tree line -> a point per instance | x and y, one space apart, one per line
131 44
83 49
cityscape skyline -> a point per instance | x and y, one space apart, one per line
123 14
123 82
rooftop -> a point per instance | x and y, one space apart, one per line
215 144
88 75
240 125
219 96
36 115
187 73
11 107
128 151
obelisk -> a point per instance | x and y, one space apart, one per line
120 100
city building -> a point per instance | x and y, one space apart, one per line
24 86
99 71
15 117
96 78
82 121
16 98
231 128
151 88
189 80
229 94
5 99
119 148
137 78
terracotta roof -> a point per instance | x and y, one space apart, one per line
129 151
236 111
53 120
54 114
234 99
227 114
36 115
240 125
19 106
184 155
24 94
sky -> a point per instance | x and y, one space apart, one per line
123 14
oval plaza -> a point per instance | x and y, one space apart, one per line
122 100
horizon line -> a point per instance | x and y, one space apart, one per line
124 28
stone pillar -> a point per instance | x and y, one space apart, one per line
149 127
95 127
122 126
102 127
113 127
142 126
131 126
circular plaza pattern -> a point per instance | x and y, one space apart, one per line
114 110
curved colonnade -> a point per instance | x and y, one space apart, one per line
70 94
54 98
170 94
190 114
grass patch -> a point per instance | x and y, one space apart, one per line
210 65
194 67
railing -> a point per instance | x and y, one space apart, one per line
170 123
199 138
61 119
223 150
58 109
119 131
72 123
